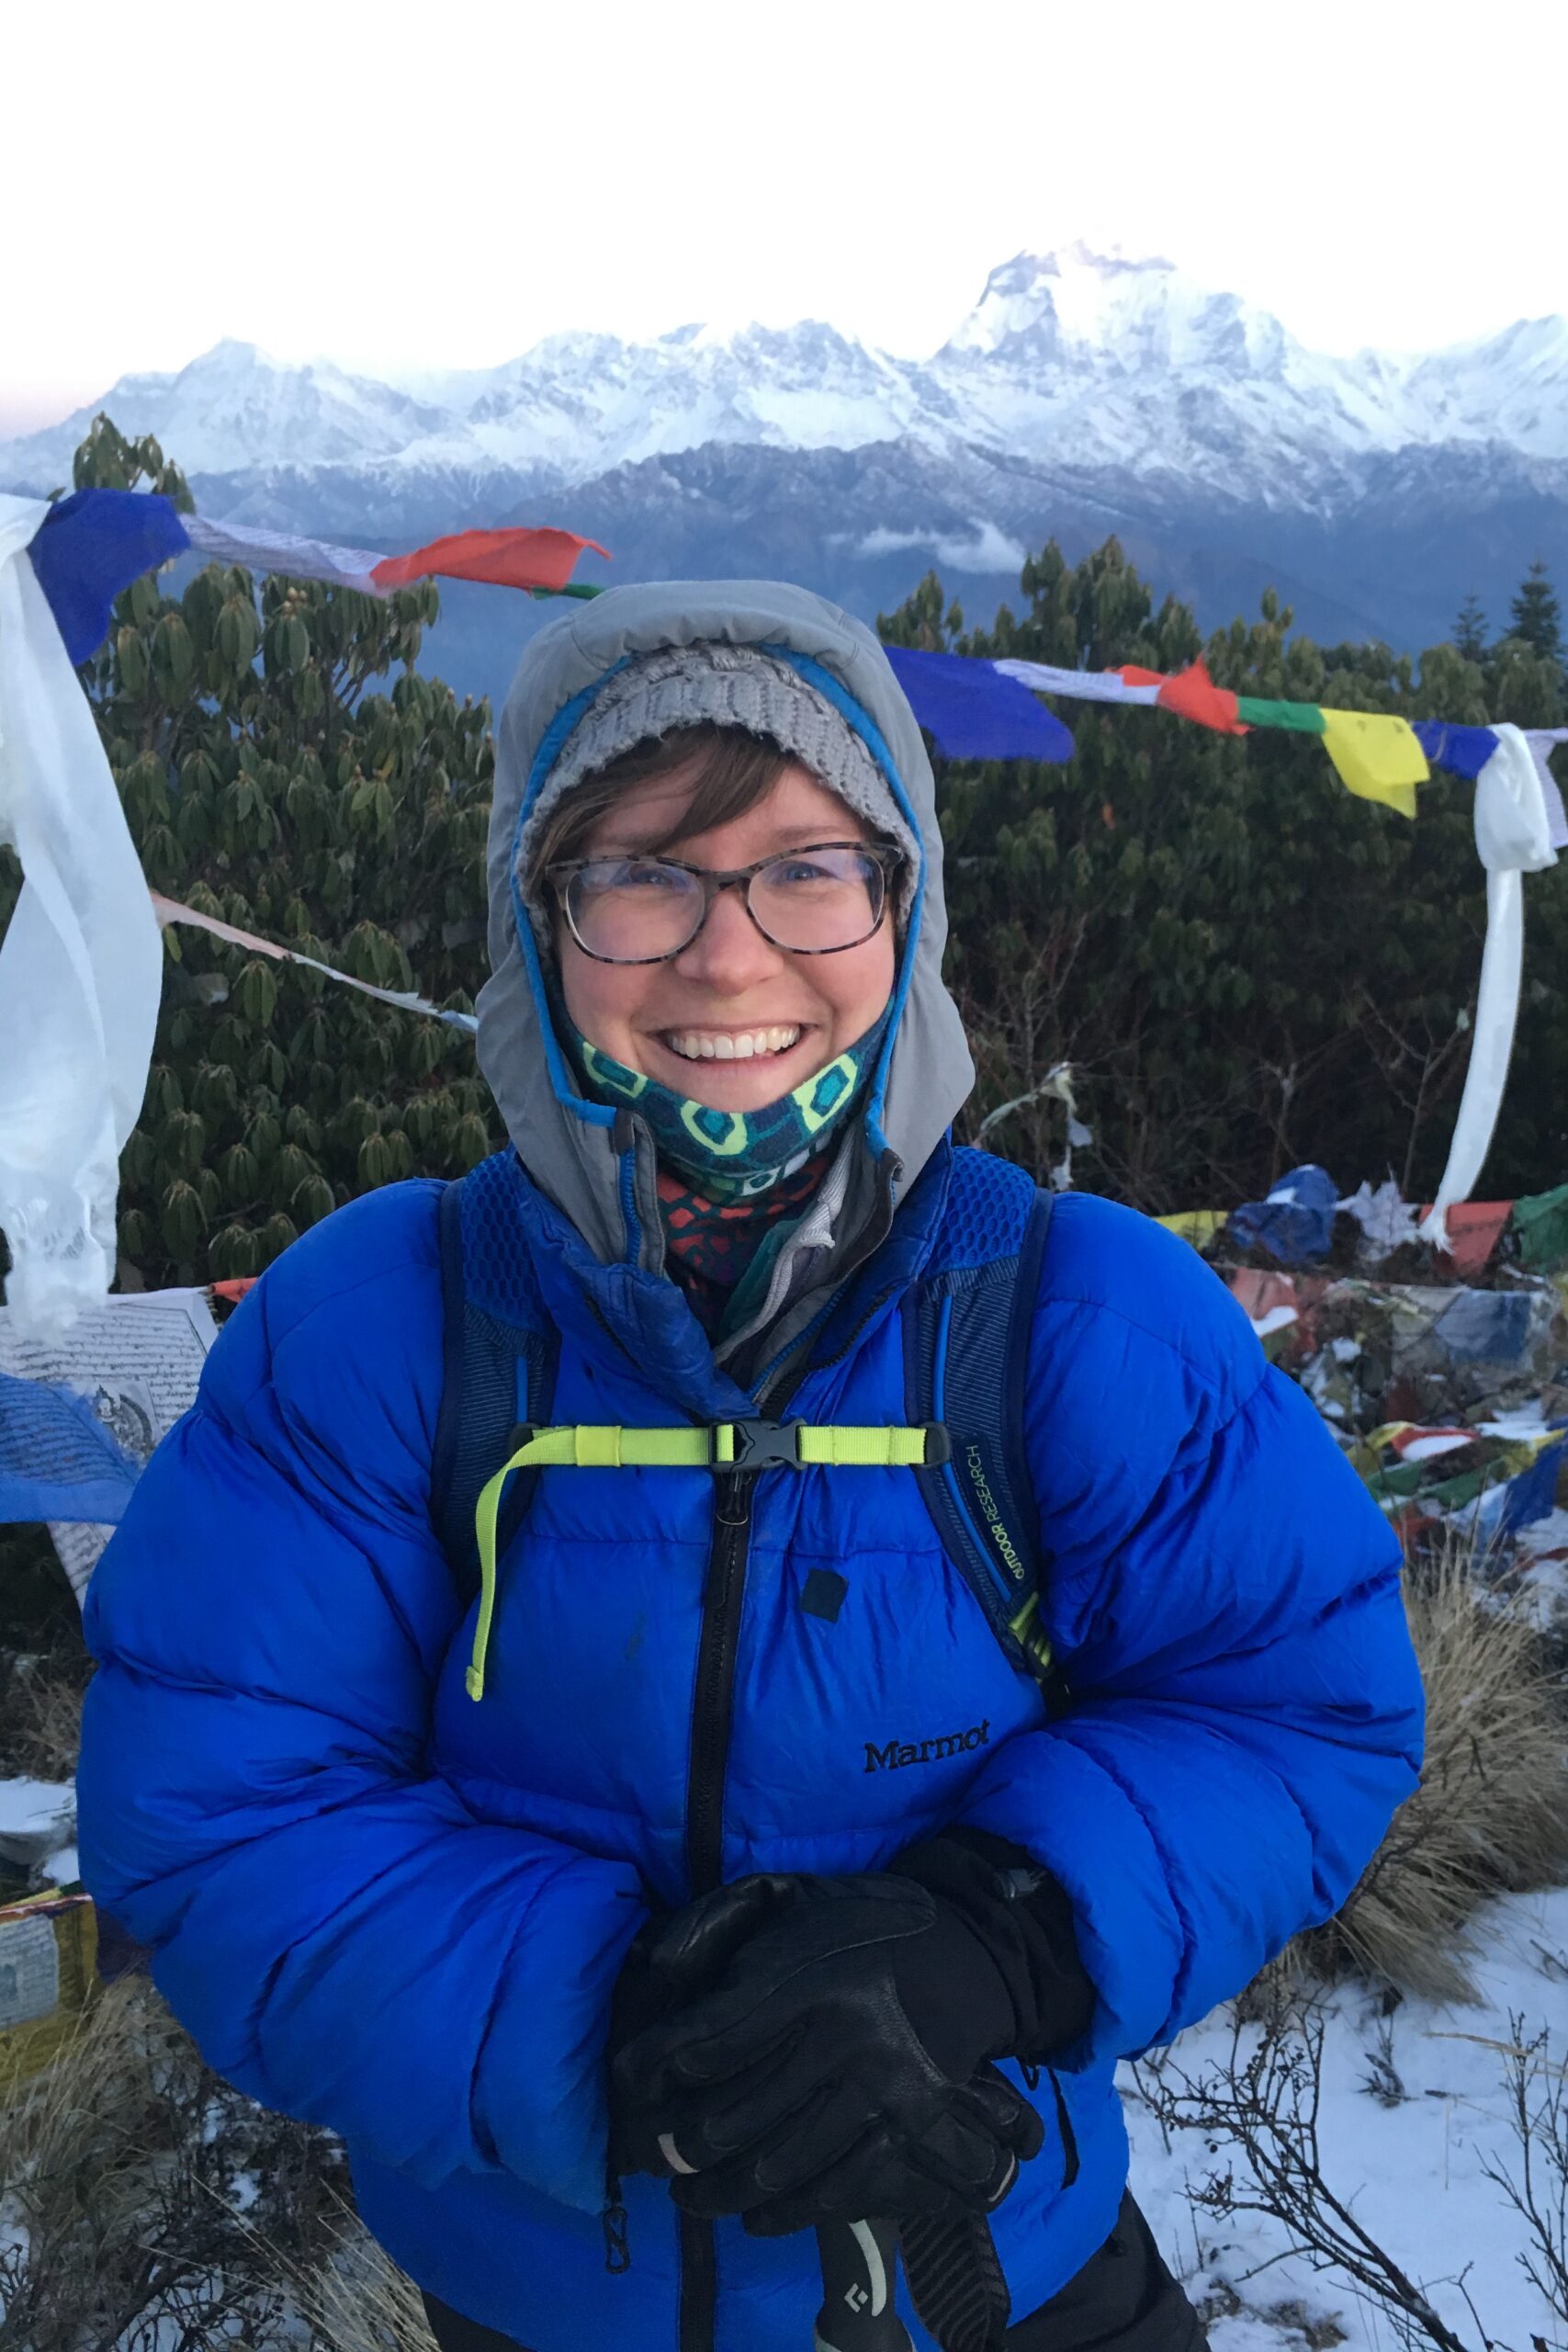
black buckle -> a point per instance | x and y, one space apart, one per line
939 1445
764 1446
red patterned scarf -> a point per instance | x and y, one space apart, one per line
710 1245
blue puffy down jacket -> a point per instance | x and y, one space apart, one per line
382 1906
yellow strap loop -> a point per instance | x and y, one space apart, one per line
598 1449
590 1445
841 1448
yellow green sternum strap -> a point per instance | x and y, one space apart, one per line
724 1445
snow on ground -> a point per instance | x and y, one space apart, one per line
1411 2171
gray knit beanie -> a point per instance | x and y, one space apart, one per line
722 685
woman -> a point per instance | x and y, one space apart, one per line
724 1870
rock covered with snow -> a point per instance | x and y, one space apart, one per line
38 1818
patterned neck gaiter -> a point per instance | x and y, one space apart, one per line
732 1156
712 1248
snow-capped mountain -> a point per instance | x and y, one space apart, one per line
236 407
1073 358
1085 391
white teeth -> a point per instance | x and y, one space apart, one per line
726 1045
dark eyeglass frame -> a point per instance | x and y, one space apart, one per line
888 855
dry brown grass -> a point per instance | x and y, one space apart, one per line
359 2300
40 1704
44 1664
1491 1815
143 2200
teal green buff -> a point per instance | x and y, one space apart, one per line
732 1155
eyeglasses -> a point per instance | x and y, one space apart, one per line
812 901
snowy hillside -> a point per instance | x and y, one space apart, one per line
1414 2123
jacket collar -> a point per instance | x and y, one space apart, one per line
618 1313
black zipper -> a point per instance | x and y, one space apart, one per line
722 1596
724 1593
1069 2137
699 2283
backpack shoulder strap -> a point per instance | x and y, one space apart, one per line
966 1333
500 1359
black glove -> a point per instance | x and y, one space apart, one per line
1024 1919
823 2053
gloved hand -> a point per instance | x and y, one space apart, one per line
1024 1918
821 2053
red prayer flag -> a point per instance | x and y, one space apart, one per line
518 559
1193 693
1475 1228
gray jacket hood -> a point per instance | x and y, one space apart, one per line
578 1153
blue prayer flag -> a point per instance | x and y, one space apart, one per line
972 712
1462 751
92 545
57 1460
1295 1223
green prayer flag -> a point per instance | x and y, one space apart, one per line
1300 718
1541 1223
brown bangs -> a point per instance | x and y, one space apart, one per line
733 771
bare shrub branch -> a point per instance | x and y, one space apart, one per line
1265 2102
1536 2183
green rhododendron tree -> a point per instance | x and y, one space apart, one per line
277 774
1246 966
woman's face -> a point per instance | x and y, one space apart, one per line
730 983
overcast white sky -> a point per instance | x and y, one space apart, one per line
438 184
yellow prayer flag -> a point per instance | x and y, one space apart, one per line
1378 757
1197 1225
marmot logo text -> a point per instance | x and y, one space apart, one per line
951 1743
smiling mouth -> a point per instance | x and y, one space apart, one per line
760 1044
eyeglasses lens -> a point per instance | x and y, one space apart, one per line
633 910
819 900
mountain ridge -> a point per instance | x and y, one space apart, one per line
1053 339
1085 392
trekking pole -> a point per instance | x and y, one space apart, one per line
956 2282
955 2279
859 2265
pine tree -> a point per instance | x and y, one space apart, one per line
1537 613
1469 629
